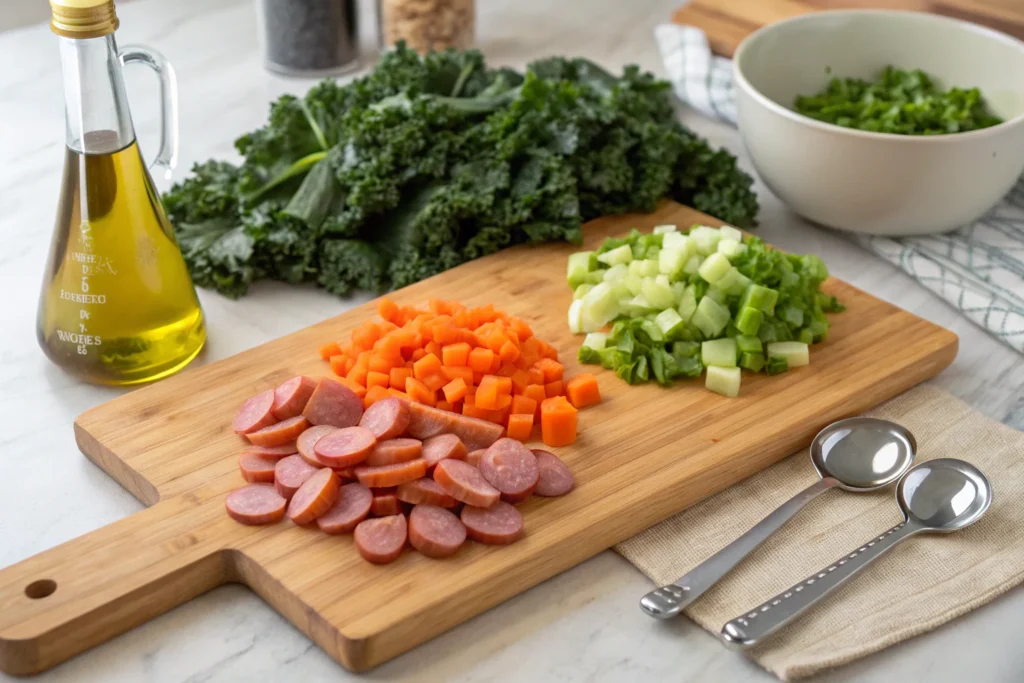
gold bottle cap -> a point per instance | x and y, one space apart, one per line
83 18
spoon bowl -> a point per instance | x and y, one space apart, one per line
944 495
863 453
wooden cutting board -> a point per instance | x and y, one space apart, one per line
644 453
728 22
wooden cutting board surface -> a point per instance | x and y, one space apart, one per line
644 453
728 22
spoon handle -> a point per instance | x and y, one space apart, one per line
670 600
748 629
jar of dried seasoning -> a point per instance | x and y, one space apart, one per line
427 25
309 37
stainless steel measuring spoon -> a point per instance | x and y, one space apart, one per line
940 495
856 454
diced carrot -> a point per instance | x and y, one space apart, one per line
521 329
446 334
557 421
520 426
365 335
399 394
582 390
470 393
456 354
435 381
509 352
552 369
438 306
495 365
547 350
363 359
349 364
477 376
498 416
387 309
376 379
455 390
444 405
417 354
504 385
419 392
471 410
506 370
397 377
359 389
522 363
386 327
453 372
536 392
496 340
426 366
531 348
380 363
480 359
504 402
520 380
374 394
553 388
329 349
524 405
487 393
357 375
536 375
434 348
349 349
338 364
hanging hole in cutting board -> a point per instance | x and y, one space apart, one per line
41 588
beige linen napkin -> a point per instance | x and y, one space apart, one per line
926 581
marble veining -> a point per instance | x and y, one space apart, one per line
583 625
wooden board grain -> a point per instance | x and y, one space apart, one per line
728 22
644 454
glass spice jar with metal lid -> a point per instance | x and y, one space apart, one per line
309 37
427 25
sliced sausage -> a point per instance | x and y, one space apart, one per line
381 540
385 504
346 473
279 432
424 492
306 443
290 448
510 467
462 481
442 446
387 418
434 531
555 478
391 475
290 473
351 507
256 467
345 447
499 525
255 413
394 450
473 457
332 403
315 497
291 397
256 504
425 422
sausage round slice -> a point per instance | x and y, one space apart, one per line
462 481
391 475
306 443
332 403
256 467
381 540
385 503
351 507
441 447
279 432
345 447
387 418
434 531
255 413
315 497
424 492
555 478
290 473
276 452
256 504
510 467
499 525
473 457
394 451
291 397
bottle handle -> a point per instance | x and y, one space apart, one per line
167 156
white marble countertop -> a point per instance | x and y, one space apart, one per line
583 625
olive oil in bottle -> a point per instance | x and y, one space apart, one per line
117 304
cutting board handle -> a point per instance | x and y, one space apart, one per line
81 593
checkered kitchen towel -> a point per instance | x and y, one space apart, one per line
978 269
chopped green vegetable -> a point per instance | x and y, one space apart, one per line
795 353
752 361
719 352
776 365
900 102
724 381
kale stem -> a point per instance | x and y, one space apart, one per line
297 168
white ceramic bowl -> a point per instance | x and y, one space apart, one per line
878 182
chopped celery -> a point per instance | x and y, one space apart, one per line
706 239
793 315
733 282
645 267
580 263
576 316
795 353
752 361
581 290
670 322
678 242
718 295
662 229
678 291
685 349
761 298
776 365
600 306
710 317
724 381
595 340
651 329
806 336
615 273
748 320
634 282
623 254
748 344
719 352
730 233
594 276
692 265
731 248
671 262
658 293
639 305
714 268
687 304
621 290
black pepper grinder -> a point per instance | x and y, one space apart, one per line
309 38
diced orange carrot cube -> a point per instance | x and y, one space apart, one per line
553 388
552 369
453 372
338 364
397 377
435 381
455 390
506 370
358 389
419 392
444 405
471 410
376 379
357 375
456 355
387 309
536 392
520 380
509 352
417 354
380 363
520 426
480 359
536 375
487 392
329 349
434 348
374 394
426 366
557 421
582 391
524 405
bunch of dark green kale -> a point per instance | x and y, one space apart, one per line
429 162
